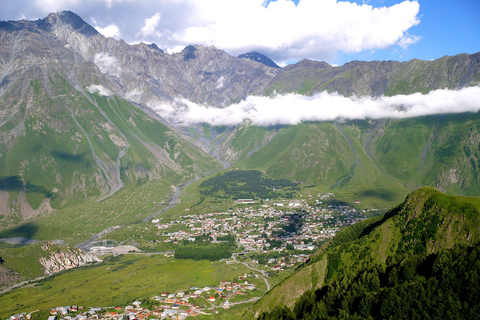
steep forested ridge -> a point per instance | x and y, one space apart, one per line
420 260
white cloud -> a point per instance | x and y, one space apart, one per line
107 64
96 88
292 109
134 95
220 82
111 30
315 29
150 25
49 6
408 40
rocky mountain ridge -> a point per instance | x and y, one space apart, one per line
65 133
255 56
145 74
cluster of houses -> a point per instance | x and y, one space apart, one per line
258 230
254 228
179 305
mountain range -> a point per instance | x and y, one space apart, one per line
84 151
77 129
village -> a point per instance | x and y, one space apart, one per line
268 239
281 226
177 305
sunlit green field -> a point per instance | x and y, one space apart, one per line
118 281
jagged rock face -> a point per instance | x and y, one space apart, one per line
58 140
255 56
377 78
144 73
65 259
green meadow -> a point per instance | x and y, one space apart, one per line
118 281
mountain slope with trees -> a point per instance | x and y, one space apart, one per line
368 268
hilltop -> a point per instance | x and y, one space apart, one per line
422 238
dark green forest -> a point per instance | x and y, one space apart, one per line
247 184
436 286
203 249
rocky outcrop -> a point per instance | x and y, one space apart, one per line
59 260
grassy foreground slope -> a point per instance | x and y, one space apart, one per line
426 223
118 281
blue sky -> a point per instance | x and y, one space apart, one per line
446 27
324 30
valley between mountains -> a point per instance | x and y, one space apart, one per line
353 217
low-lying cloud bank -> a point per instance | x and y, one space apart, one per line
292 109
97 88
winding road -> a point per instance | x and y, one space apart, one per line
261 271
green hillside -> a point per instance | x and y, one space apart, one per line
379 161
65 149
427 225
23 263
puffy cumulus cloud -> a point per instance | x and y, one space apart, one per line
96 88
292 109
111 30
313 29
107 64
150 25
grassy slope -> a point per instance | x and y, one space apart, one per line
378 162
440 151
24 260
54 160
373 241
331 156
118 281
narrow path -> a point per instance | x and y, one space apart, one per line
261 271
246 301
23 283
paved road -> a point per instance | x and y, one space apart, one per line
261 271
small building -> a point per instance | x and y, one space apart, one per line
244 201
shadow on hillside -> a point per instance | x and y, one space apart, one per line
79 158
15 183
11 183
379 194
27 230
336 202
